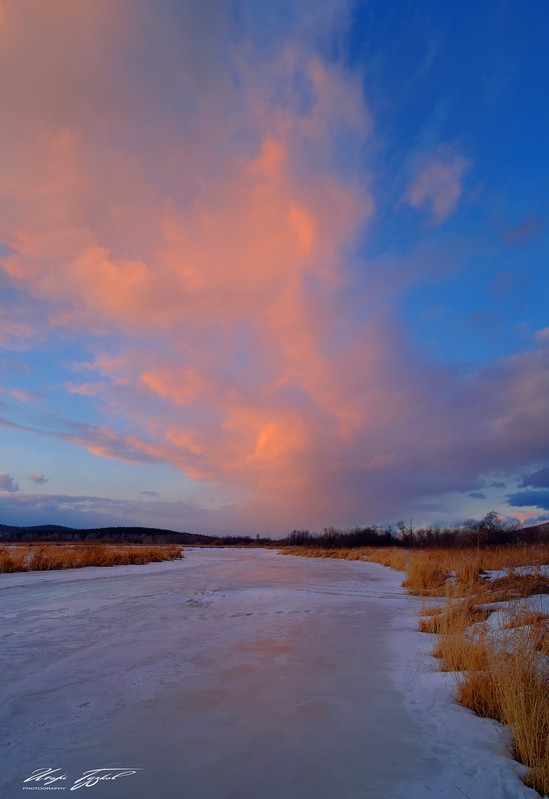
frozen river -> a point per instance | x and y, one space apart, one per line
233 674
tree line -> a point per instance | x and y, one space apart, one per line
488 531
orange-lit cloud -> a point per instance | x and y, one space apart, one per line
186 211
216 258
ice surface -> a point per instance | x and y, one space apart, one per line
236 674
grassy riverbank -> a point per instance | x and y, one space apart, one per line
491 622
43 557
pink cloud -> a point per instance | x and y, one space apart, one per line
298 461
38 477
15 333
438 183
188 258
189 224
296 453
21 394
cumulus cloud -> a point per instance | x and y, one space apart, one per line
182 190
7 483
299 461
438 183
38 478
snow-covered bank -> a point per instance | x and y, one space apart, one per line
236 673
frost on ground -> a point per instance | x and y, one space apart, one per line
236 674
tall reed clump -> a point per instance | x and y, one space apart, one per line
513 687
460 647
427 573
13 559
501 667
392 557
45 557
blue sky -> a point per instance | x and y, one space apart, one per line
273 266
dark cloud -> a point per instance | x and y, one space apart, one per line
536 498
148 494
539 479
8 484
477 495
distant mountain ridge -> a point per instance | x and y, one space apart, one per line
152 535
35 527
57 532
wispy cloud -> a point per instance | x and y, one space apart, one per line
438 183
22 395
522 232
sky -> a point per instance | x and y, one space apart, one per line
275 265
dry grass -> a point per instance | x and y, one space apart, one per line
448 572
392 557
510 685
511 557
505 675
42 557
13 559
454 616
443 572
517 586
357 553
513 687
427 573
456 649
477 690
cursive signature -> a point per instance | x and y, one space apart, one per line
48 776
95 775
